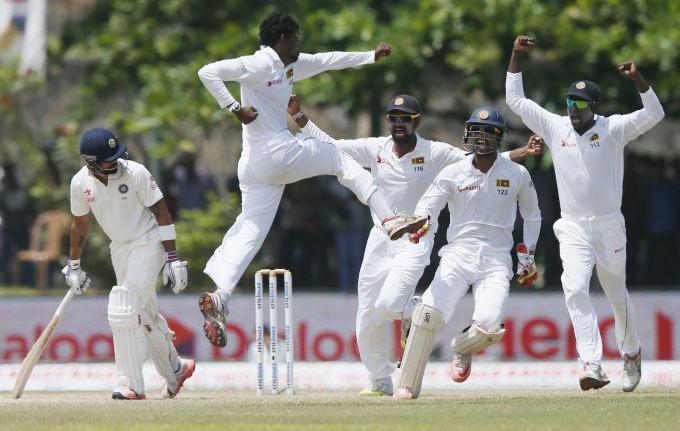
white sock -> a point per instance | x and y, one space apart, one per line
378 204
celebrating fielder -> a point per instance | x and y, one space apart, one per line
272 157
587 151
403 165
129 206
483 192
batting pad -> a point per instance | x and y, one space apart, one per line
129 344
161 349
475 339
425 324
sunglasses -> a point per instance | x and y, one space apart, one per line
486 128
580 104
405 118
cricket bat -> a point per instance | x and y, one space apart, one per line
39 347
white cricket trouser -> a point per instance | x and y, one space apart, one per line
262 179
137 264
488 270
600 241
389 274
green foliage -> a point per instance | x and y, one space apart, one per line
141 58
199 232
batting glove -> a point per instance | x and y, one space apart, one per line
76 279
175 273
526 268
415 237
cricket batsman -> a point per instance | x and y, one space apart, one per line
403 165
587 151
128 204
483 192
272 157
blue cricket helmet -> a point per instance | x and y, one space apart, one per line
487 115
483 123
101 144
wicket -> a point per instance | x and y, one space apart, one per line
259 328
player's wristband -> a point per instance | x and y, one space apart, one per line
297 116
172 256
74 263
167 232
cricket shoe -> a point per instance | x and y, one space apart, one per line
403 393
592 377
213 307
632 371
186 370
461 367
379 388
398 225
125 393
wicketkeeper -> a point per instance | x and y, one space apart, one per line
483 192
128 204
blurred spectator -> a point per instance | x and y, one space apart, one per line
50 150
189 183
17 214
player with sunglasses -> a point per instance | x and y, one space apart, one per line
403 166
587 152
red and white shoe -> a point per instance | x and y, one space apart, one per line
461 367
186 370
125 393
403 393
213 307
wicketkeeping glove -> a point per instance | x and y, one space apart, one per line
526 268
175 273
76 279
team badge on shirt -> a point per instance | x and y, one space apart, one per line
418 160
502 183
123 188
289 74
595 137
88 195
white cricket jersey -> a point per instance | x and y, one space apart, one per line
266 84
121 206
588 167
401 180
483 206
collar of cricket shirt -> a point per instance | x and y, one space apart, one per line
273 54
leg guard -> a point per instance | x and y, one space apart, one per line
426 321
474 339
162 351
129 344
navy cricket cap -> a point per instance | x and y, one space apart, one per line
404 103
102 144
586 90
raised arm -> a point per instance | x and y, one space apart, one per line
630 126
241 70
536 118
533 148
312 64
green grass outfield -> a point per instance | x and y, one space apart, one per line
610 409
